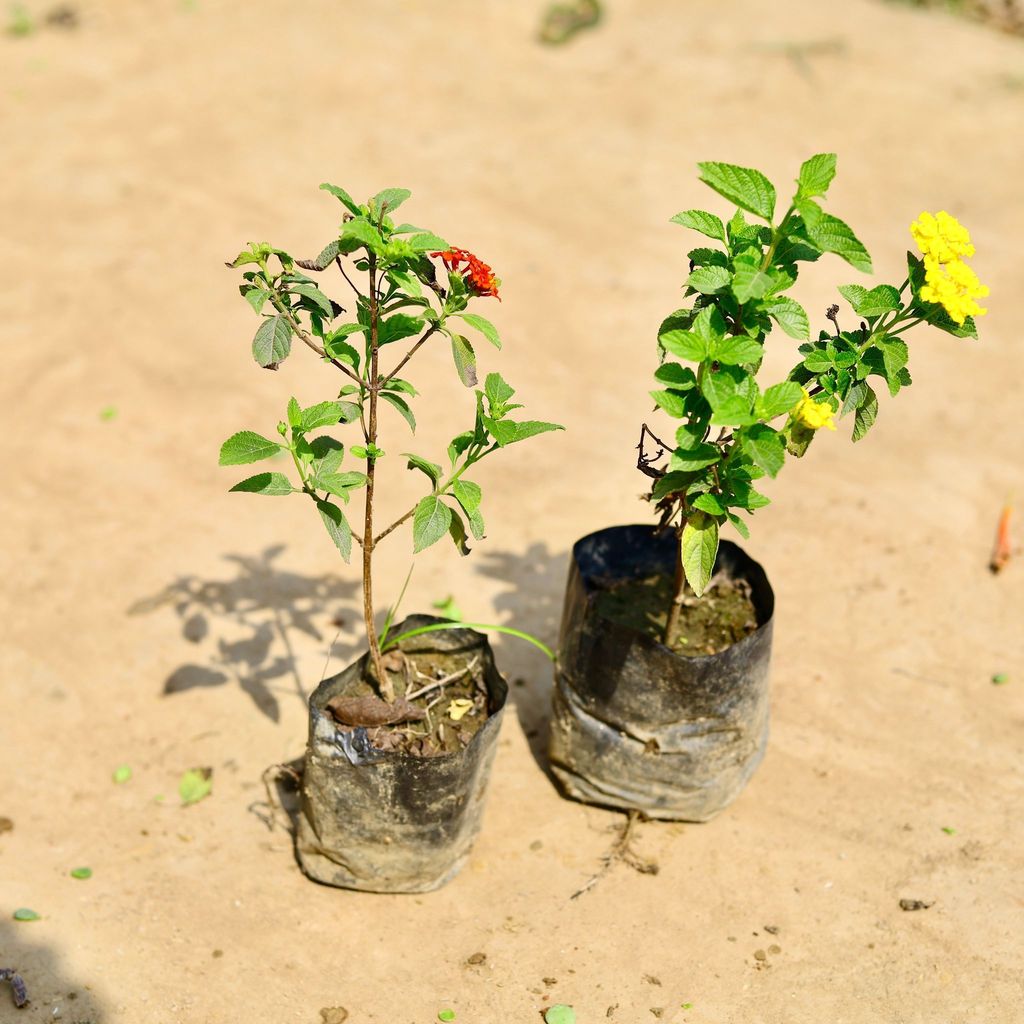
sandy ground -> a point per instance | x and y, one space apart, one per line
142 150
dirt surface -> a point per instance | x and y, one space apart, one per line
140 151
723 616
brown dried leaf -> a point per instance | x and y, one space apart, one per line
370 711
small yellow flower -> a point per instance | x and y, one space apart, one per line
813 415
955 287
942 237
458 708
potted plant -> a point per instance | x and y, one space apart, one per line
661 702
400 742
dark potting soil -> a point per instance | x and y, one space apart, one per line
707 625
438 722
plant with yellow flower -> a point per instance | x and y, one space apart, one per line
733 431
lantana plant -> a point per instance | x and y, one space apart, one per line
734 428
398 298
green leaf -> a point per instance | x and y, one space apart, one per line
560 1014
399 326
684 344
25 914
195 785
426 241
777 399
671 401
327 454
327 256
709 503
699 220
337 527
830 234
816 175
273 341
765 447
246 446
741 527
403 408
689 460
273 484
389 199
323 414
882 299
465 359
790 315
700 549
854 294
432 469
498 392
341 194
484 326
867 413
430 522
457 532
358 233
895 355
468 495
681 378
81 873
340 484
736 349
749 281
531 428
122 773
708 280
317 297
257 298
748 189
294 414
446 1015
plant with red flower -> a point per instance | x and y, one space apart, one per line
477 274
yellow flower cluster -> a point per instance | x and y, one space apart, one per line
949 281
809 413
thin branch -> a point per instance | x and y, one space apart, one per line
394 526
337 259
408 356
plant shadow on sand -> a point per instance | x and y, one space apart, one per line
245 624
532 602
50 992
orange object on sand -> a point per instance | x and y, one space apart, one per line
1001 552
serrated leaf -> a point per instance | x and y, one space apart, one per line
430 522
271 484
765 447
531 428
196 784
699 549
702 221
340 484
246 446
745 187
326 257
816 175
867 413
882 299
854 294
340 193
323 414
749 281
894 354
389 199
709 280
791 316
317 297
691 459
273 341
426 241
709 503
741 527
682 378
337 527
465 360
830 234
402 406
484 326
257 298
778 399
684 344
294 414
736 349
359 232
468 494
432 469
671 401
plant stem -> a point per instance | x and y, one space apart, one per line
387 691
678 587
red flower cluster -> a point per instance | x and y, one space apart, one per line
476 274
